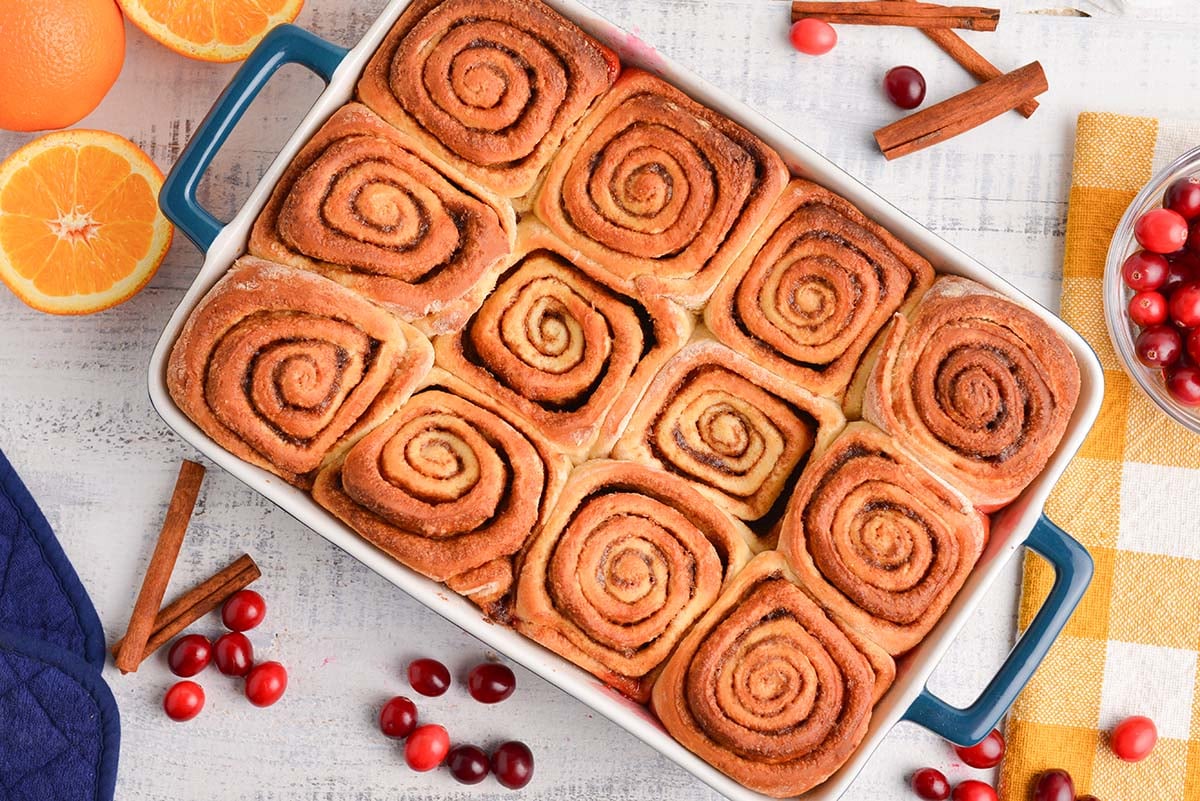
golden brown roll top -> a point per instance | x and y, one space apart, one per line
491 87
769 688
816 283
978 388
281 366
878 539
628 559
656 186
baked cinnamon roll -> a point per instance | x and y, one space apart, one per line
628 559
656 188
362 204
282 367
770 688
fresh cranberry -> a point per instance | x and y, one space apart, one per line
972 790
491 682
266 683
183 701
189 655
1183 196
428 676
1193 241
243 611
398 717
931 784
1148 308
1161 231
986 754
1183 382
512 762
1184 305
1158 346
905 87
426 747
812 36
1182 268
468 764
1144 270
1054 785
1192 346
234 654
1133 738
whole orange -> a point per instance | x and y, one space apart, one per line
58 58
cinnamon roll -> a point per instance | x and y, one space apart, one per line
740 434
282 367
978 388
360 204
628 559
490 87
656 188
816 283
561 348
879 540
450 485
770 688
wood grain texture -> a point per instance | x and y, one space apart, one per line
76 421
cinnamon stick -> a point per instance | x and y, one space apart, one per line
197 602
962 112
162 564
910 15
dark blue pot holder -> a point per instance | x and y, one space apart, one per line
59 725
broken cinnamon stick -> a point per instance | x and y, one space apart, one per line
196 603
162 564
910 15
962 112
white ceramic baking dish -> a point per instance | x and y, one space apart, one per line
1020 525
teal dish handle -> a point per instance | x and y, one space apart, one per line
1073 570
285 44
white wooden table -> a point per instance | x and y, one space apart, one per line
75 419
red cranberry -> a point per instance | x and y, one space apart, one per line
972 790
931 784
1184 305
398 717
426 747
468 764
985 754
243 611
1133 738
183 701
905 87
1144 270
812 36
1193 242
189 655
1148 308
1161 231
512 762
234 654
428 676
491 682
1054 785
1192 346
1158 346
1183 196
1182 268
266 683
1183 382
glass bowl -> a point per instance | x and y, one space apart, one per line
1117 295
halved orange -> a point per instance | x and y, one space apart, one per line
80 228
210 30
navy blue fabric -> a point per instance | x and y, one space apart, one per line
59 726
41 596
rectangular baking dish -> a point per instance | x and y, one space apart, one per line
1021 525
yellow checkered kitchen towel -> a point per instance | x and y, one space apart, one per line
1132 496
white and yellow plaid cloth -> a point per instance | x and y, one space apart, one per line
1132 496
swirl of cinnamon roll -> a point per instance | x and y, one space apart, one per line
880 541
816 283
978 388
738 433
491 87
769 687
628 559
655 187
361 205
281 366
449 485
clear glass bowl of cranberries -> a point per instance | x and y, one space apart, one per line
1152 290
